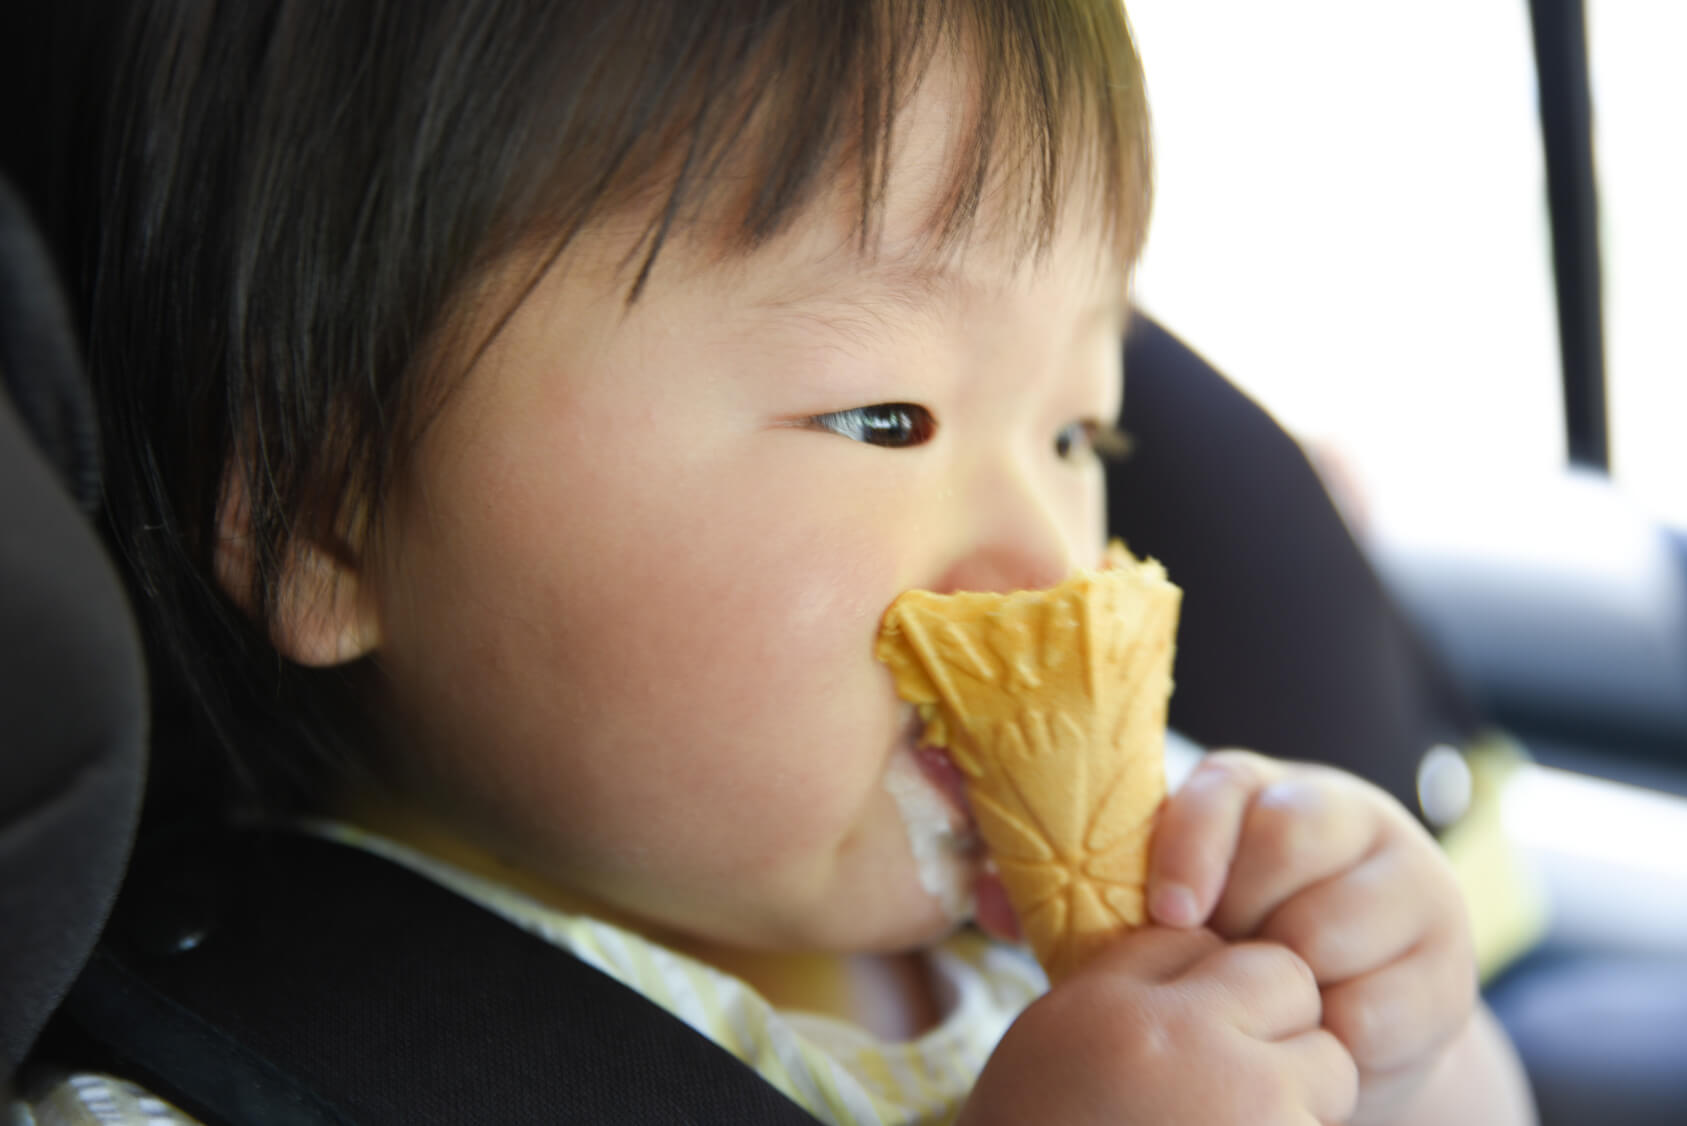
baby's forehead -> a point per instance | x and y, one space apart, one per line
820 266
961 151
914 249
950 206
811 276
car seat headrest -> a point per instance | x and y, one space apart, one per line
72 698
39 366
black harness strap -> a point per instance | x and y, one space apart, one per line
272 978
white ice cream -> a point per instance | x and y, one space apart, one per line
940 850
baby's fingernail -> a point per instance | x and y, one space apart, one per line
1174 905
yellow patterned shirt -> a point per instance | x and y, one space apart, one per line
836 1071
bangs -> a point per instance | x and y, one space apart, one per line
732 117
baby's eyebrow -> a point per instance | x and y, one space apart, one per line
855 297
873 289
863 305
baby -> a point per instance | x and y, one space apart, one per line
520 417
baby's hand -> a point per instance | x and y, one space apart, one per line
1168 1027
1338 872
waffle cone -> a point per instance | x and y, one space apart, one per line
1053 706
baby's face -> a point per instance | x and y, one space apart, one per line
632 585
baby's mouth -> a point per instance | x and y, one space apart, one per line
954 867
946 778
929 795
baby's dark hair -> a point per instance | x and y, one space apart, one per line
286 203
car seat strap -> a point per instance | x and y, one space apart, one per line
272 977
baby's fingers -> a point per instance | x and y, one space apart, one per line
1400 1016
1328 1077
1270 989
1362 919
1299 831
1196 837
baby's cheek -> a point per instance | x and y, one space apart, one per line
739 690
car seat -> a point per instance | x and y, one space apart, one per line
72 704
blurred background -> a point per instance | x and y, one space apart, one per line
1444 244
1355 223
1352 223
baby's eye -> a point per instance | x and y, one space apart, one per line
1092 437
883 424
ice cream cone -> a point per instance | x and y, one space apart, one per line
1052 704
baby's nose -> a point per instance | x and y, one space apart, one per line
1013 543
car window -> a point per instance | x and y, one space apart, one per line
1639 93
1351 222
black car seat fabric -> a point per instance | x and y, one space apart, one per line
38 357
72 704
1288 643
276 978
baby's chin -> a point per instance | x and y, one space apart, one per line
910 915
908 933
920 931
900 917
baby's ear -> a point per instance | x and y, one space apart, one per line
324 613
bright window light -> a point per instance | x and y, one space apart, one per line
1613 858
1640 93
1350 222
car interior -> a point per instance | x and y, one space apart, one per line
1512 667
